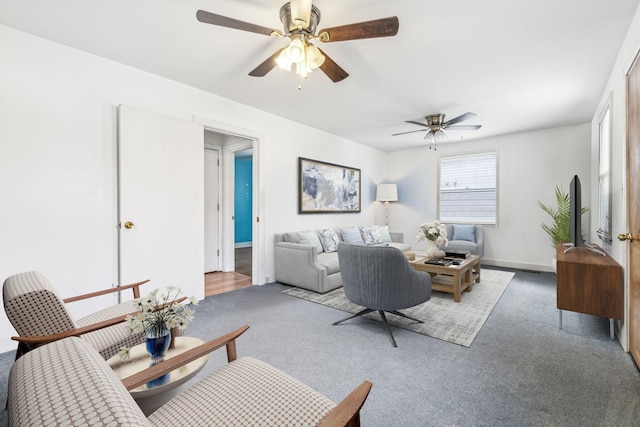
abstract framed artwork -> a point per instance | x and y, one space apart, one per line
328 188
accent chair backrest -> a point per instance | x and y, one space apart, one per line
381 278
33 306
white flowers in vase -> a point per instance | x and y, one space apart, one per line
160 312
434 232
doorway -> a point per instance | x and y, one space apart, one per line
243 211
231 212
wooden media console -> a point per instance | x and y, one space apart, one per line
590 283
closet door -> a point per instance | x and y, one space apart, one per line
161 201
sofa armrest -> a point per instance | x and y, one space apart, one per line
297 264
397 236
479 235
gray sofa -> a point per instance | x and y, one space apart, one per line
310 266
464 238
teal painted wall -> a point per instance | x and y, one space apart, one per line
242 199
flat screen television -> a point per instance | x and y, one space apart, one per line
575 218
575 212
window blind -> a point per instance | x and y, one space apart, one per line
468 190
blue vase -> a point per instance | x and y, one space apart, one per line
158 341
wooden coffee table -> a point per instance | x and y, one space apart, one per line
139 360
453 279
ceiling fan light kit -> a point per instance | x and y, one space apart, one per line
300 20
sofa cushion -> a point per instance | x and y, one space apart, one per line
330 261
310 238
400 246
371 235
384 234
291 237
461 245
352 235
464 232
328 239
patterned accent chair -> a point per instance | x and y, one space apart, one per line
381 279
39 316
67 382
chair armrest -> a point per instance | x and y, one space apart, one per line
37 340
134 286
166 366
347 412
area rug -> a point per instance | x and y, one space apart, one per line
454 322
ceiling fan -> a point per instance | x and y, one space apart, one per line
436 125
300 20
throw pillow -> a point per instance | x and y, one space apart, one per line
310 238
328 240
384 234
371 235
464 232
352 235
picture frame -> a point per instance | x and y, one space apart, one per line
327 187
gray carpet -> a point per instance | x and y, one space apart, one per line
520 371
445 319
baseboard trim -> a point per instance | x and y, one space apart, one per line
243 244
517 265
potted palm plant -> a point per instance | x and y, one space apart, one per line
559 228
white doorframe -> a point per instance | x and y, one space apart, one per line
218 192
228 246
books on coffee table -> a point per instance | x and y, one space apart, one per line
457 254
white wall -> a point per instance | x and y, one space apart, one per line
616 87
530 165
58 162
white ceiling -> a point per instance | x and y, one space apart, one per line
519 65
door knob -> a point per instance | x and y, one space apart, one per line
128 225
630 237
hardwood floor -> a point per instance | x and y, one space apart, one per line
220 282
243 261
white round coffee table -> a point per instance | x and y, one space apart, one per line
139 360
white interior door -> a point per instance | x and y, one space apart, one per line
211 211
161 201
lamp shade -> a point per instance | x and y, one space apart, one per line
387 193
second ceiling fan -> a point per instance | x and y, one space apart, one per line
436 125
300 19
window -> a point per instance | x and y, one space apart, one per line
604 174
468 189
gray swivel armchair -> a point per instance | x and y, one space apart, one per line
381 279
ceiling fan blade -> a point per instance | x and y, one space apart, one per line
417 123
268 65
411 131
384 27
465 116
464 127
332 70
225 21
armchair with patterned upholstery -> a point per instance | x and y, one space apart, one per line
243 392
40 315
